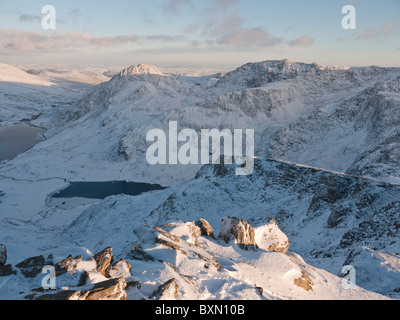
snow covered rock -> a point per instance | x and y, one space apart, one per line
120 269
103 260
67 265
31 267
167 291
3 255
205 228
238 230
140 69
113 289
271 238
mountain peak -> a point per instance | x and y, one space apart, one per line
141 69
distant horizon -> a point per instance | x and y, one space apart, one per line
166 68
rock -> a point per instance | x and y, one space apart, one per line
67 265
205 228
139 254
120 269
62 295
3 255
31 267
113 289
240 231
167 291
271 238
194 230
84 278
103 260
304 282
7 270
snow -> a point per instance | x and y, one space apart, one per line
335 130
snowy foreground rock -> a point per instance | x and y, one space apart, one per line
179 261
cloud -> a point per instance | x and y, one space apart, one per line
249 37
303 41
231 31
12 40
29 18
381 33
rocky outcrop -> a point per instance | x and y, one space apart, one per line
113 289
271 238
120 269
186 247
103 260
31 267
206 229
304 282
67 265
238 230
167 291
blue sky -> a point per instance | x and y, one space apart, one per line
212 33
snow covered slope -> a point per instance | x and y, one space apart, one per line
334 118
334 129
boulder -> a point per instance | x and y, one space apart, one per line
271 238
120 269
238 230
103 260
205 228
31 267
167 291
67 265
7 270
113 289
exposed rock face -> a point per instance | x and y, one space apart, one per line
67 265
120 269
304 282
3 255
166 291
7 270
205 228
103 260
240 231
113 289
31 267
271 238
188 249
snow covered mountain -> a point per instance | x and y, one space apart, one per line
327 148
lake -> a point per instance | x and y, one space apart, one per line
17 139
102 190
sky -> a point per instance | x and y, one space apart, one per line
200 33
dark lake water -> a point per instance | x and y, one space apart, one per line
102 190
17 139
